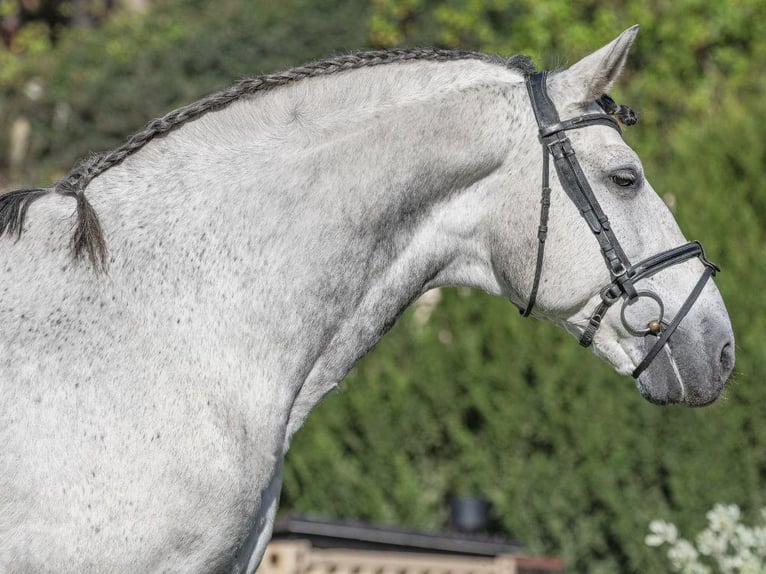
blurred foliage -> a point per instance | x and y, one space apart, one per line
95 86
53 16
476 400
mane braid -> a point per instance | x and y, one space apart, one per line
87 240
79 178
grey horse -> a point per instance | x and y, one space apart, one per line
233 261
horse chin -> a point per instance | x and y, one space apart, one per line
662 393
660 390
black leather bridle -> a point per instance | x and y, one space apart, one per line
624 275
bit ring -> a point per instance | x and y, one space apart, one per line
654 326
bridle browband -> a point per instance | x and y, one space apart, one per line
556 144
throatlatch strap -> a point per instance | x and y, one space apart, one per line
542 234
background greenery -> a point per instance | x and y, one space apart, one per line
474 401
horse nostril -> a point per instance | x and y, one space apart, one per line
727 359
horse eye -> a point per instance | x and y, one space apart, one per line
624 178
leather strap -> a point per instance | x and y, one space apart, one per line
646 268
542 234
580 122
555 142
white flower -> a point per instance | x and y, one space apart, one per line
682 554
752 566
724 518
729 564
696 568
732 547
744 538
711 543
759 540
661 532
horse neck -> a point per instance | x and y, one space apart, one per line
334 202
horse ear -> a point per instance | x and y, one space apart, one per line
594 75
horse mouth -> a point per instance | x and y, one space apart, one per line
669 382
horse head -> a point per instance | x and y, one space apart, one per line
613 267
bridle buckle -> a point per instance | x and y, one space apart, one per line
607 296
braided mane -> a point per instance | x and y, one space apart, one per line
83 173
88 239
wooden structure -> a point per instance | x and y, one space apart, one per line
303 545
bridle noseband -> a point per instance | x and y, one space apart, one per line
624 275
